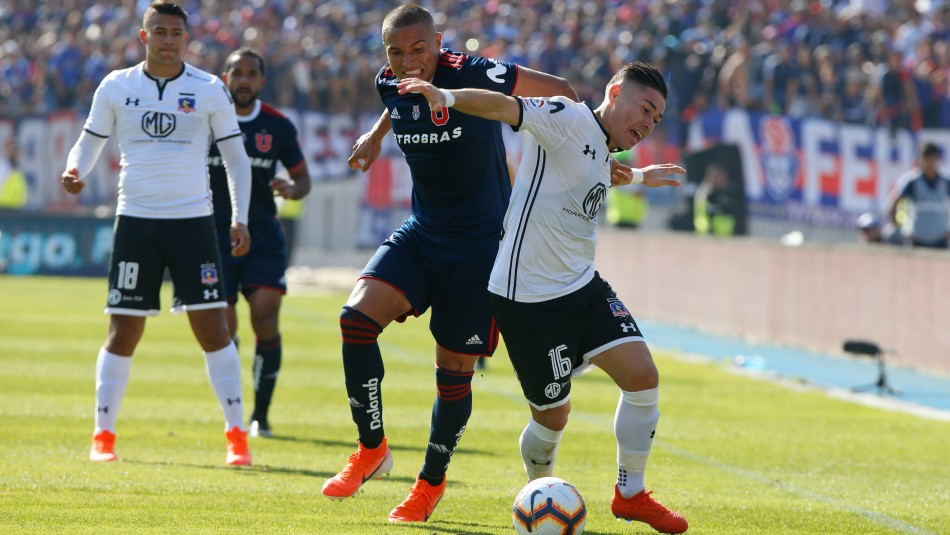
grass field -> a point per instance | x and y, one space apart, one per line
733 454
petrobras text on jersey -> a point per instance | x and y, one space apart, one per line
431 137
263 163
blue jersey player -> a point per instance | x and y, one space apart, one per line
440 258
269 137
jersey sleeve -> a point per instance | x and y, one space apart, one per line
101 120
291 155
223 118
550 120
491 74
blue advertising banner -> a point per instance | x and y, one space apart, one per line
37 244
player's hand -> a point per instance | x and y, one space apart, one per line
240 239
655 176
620 174
285 188
71 182
432 93
365 151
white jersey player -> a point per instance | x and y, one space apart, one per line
164 114
556 313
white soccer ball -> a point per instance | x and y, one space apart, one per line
549 506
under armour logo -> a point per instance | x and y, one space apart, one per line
592 152
627 327
131 102
103 409
542 463
211 294
233 401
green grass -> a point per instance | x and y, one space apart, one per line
735 455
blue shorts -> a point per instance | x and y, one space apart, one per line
264 266
452 281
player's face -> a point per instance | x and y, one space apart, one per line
635 112
244 80
164 37
413 51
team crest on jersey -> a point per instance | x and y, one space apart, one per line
618 309
263 142
209 274
415 112
186 104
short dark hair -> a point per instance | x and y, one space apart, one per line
642 73
930 149
240 53
407 15
165 7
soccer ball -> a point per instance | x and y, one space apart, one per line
549 506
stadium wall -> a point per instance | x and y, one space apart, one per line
813 296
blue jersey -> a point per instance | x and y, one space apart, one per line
459 173
269 137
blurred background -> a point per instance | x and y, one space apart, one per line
796 120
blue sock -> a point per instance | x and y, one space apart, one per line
363 371
267 356
450 413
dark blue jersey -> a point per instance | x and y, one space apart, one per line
459 173
269 137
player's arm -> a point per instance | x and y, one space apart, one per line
478 102
238 168
81 159
367 147
297 187
532 83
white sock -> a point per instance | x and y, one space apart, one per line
112 376
634 425
539 449
224 370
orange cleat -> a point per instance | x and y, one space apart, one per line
103 447
418 507
238 452
642 508
365 464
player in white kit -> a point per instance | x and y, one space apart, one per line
556 313
165 113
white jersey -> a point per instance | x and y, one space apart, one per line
164 129
551 224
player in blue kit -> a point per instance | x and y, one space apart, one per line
440 257
269 137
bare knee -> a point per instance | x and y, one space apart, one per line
554 419
124 334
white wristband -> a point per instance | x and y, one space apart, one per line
637 176
449 98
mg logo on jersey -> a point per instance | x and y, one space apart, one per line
552 390
594 200
158 124
263 142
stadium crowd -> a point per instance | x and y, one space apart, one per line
870 61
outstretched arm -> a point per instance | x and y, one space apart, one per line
367 147
532 83
478 102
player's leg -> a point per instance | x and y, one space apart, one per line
393 285
463 328
542 341
195 267
614 343
261 276
135 278
268 352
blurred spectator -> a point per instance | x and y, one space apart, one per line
925 195
714 207
835 58
872 231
